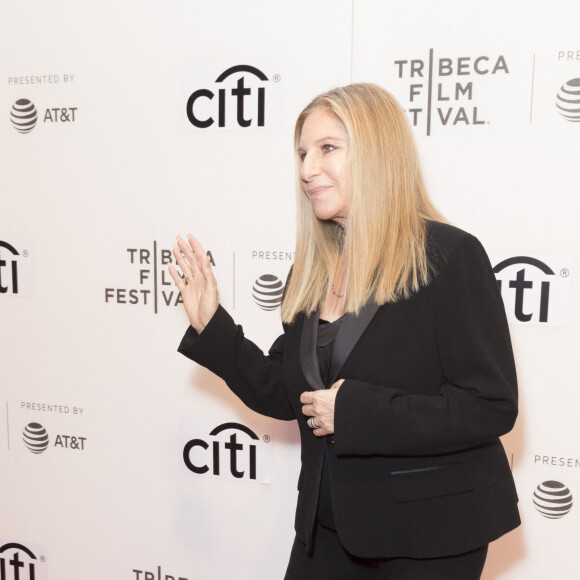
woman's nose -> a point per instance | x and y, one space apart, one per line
310 167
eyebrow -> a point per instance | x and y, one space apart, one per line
324 139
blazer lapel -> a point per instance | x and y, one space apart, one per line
349 334
308 358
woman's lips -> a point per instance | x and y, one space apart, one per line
315 191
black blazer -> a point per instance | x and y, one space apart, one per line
430 386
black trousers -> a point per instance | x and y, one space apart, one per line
330 561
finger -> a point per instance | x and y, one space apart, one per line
201 259
191 258
181 261
306 398
177 278
207 272
195 246
308 410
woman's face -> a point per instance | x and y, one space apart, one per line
324 174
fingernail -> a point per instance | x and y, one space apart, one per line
189 236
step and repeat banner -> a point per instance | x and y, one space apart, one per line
126 123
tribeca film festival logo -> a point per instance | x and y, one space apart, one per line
18 562
552 499
155 285
230 450
24 115
568 100
240 97
15 275
535 290
37 440
159 574
441 90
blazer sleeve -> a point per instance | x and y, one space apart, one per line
255 378
475 404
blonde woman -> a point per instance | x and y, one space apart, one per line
395 360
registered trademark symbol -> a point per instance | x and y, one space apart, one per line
564 272
43 558
266 438
25 253
276 78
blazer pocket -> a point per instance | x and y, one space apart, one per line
430 482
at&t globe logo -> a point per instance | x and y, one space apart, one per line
552 499
267 292
35 438
568 100
23 116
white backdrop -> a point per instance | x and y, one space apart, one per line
93 195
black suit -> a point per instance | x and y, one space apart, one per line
430 386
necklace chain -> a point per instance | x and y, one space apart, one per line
337 295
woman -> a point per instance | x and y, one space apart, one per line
395 359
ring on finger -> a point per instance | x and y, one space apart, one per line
188 278
312 423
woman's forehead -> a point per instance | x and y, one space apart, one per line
321 124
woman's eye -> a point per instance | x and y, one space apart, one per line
328 147
301 156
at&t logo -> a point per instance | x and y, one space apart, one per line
552 499
37 440
24 115
534 290
568 100
242 96
268 291
230 450
17 562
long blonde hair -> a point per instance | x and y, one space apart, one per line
384 247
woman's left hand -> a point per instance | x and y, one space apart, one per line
319 405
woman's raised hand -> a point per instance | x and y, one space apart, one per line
198 288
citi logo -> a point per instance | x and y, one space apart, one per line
230 450
8 269
552 499
238 99
17 562
532 290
